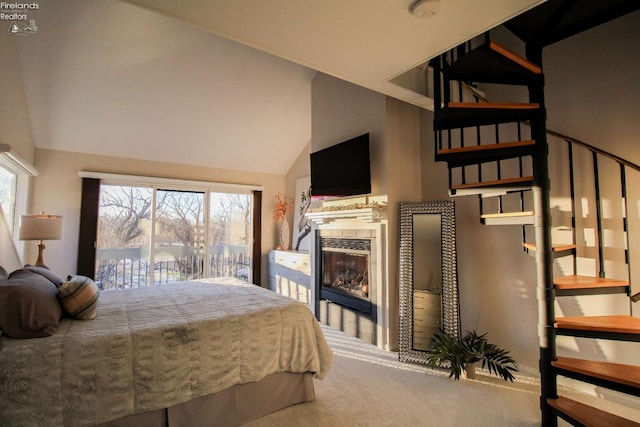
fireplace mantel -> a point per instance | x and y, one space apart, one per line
360 214
368 209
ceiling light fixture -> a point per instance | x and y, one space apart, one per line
424 8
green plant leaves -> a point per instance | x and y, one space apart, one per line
449 352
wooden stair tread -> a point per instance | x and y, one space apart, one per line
495 105
588 415
615 372
494 183
508 218
486 147
554 248
507 214
477 154
492 63
515 58
467 114
623 324
583 282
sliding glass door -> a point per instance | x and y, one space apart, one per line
229 235
124 236
179 236
150 235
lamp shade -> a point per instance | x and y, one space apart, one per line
40 227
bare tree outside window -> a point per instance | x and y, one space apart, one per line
176 234
125 214
124 224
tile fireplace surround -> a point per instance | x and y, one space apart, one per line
358 220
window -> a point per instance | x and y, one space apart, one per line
8 189
14 185
149 234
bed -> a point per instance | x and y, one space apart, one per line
208 352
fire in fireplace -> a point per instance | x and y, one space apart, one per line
345 272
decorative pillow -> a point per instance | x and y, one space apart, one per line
29 307
43 271
79 297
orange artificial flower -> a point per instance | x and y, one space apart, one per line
281 208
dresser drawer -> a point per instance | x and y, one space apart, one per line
421 343
423 298
425 330
292 260
428 323
427 318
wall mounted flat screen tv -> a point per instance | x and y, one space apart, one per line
342 169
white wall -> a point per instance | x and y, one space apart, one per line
15 123
592 88
14 119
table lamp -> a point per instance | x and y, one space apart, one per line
40 227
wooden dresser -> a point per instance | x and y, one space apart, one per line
427 317
290 274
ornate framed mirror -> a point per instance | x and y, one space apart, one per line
428 276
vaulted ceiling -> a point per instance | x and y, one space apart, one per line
221 83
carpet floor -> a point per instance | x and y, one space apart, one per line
368 386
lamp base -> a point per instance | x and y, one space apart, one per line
41 248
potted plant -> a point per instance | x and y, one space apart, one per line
459 354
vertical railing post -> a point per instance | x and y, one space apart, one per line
596 182
625 226
572 189
521 173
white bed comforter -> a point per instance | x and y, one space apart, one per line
155 347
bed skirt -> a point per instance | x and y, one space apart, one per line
236 405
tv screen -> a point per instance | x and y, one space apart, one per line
342 169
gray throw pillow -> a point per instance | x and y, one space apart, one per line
29 306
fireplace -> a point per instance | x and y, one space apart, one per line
349 268
344 272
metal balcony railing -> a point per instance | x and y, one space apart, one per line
117 269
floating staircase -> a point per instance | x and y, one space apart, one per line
498 152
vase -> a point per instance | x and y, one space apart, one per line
470 371
285 235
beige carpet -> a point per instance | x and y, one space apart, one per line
370 387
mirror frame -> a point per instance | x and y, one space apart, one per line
450 298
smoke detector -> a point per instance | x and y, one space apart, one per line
424 8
